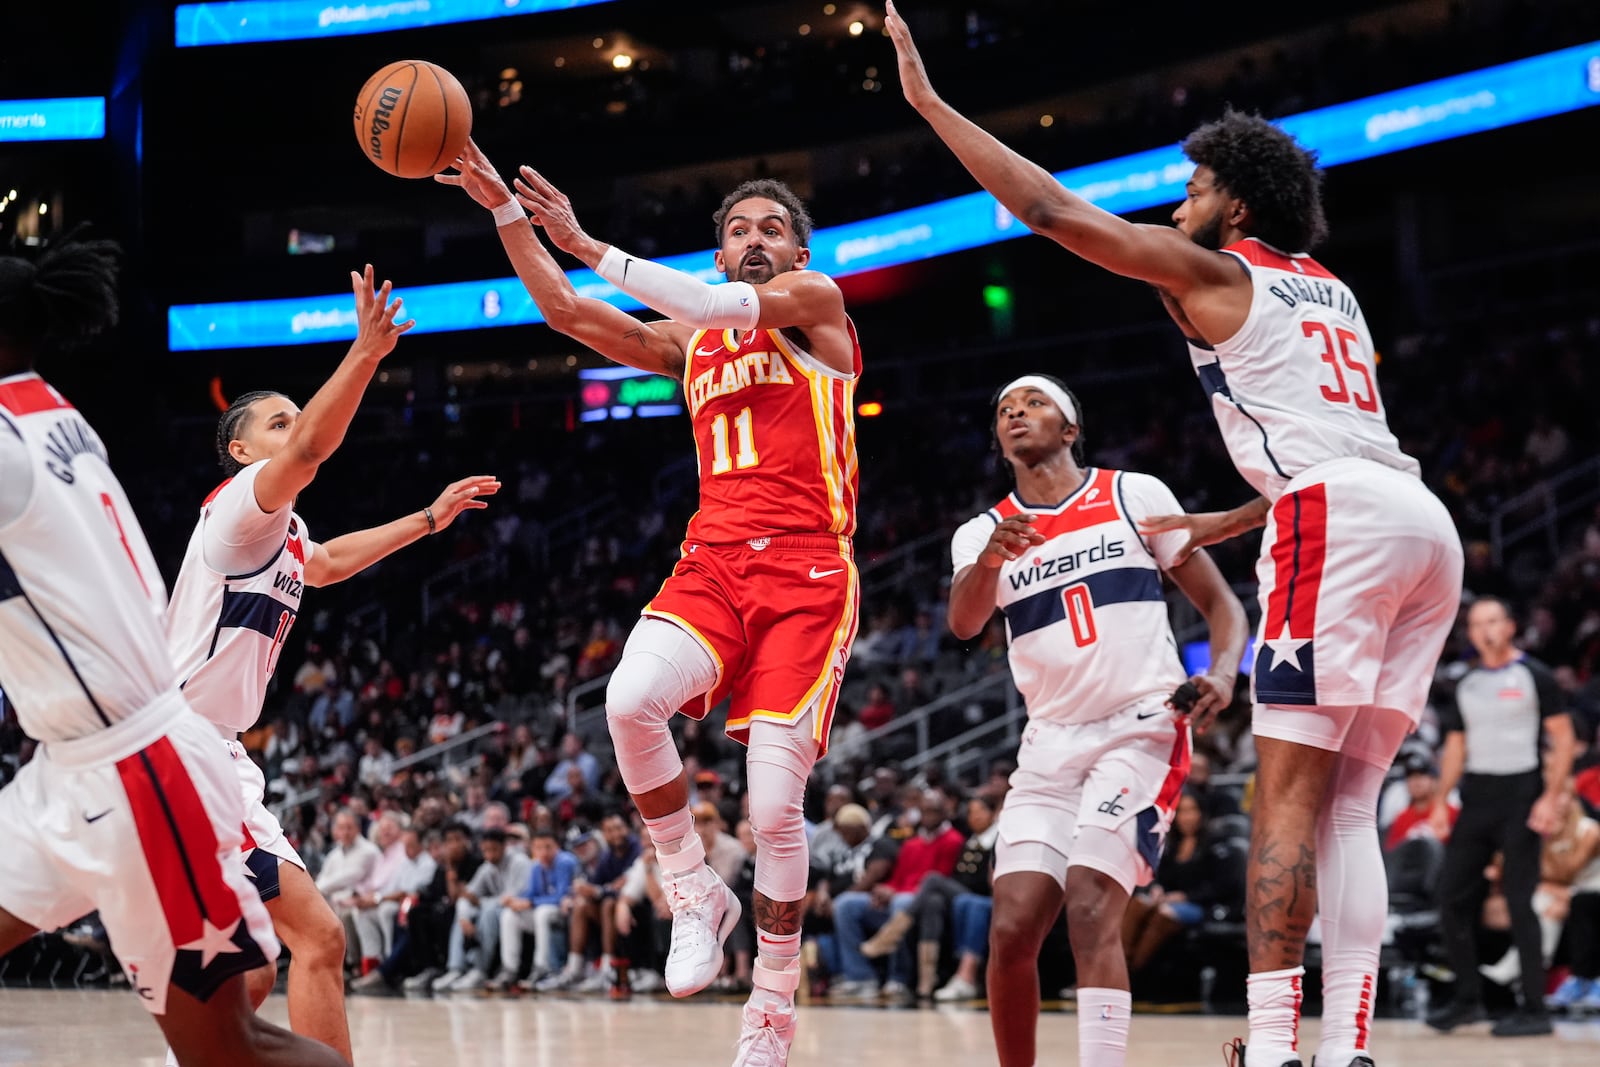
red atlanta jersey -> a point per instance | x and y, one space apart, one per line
774 432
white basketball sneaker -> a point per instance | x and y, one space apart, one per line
704 913
768 1028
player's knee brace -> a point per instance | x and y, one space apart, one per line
780 760
662 668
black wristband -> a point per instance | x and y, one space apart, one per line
427 513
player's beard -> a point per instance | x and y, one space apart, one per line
756 273
1209 234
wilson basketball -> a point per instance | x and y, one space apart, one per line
413 118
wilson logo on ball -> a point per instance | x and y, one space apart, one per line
388 104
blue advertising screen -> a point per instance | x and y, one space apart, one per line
73 118
1486 99
245 21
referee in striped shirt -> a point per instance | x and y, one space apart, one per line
1506 705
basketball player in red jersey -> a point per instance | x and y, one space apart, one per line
761 607
1360 568
130 806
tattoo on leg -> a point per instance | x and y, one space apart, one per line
780 917
1283 901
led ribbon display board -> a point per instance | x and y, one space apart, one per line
623 393
74 118
1487 99
247 21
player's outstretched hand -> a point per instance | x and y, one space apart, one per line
913 75
1010 539
376 330
475 174
550 209
463 496
1204 528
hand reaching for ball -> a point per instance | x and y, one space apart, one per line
475 174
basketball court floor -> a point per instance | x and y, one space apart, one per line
46 1028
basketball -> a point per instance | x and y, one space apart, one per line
413 118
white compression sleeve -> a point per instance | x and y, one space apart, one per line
682 297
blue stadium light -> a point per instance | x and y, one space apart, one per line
1495 97
73 118
246 21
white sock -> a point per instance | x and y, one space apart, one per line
777 956
574 963
1353 902
1274 1017
1103 1016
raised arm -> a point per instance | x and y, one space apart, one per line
341 558
658 347
321 427
799 299
1159 255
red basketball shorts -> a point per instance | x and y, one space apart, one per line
777 616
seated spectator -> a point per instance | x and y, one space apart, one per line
593 902
936 901
644 921
1422 786
879 709
357 907
917 644
574 753
535 908
506 866
376 766
1580 990
933 848
865 862
1189 883
1563 858
347 866
378 910
418 956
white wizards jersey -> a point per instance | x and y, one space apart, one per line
80 595
1084 613
1297 385
235 600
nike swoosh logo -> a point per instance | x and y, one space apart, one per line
823 574
97 818
1150 715
625 265
704 352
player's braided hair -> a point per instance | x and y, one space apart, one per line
994 427
233 424
771 189
61 300
1269 170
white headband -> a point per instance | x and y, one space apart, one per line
1049 389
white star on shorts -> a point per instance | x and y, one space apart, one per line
1286 649
213 942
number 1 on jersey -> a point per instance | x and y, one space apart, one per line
743 425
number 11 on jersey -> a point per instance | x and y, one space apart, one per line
747 457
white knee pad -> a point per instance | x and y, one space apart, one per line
662 668
780 760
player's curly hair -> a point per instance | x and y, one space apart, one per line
60 300
1269 170
994 426
771 189
234 422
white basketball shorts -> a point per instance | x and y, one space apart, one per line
141 822
263 833
1122 774
1360 582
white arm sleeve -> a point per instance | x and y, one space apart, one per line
682 297
1144 496
239 538
16 473
970 540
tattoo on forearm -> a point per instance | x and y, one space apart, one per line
637 335
780 917
1283 901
